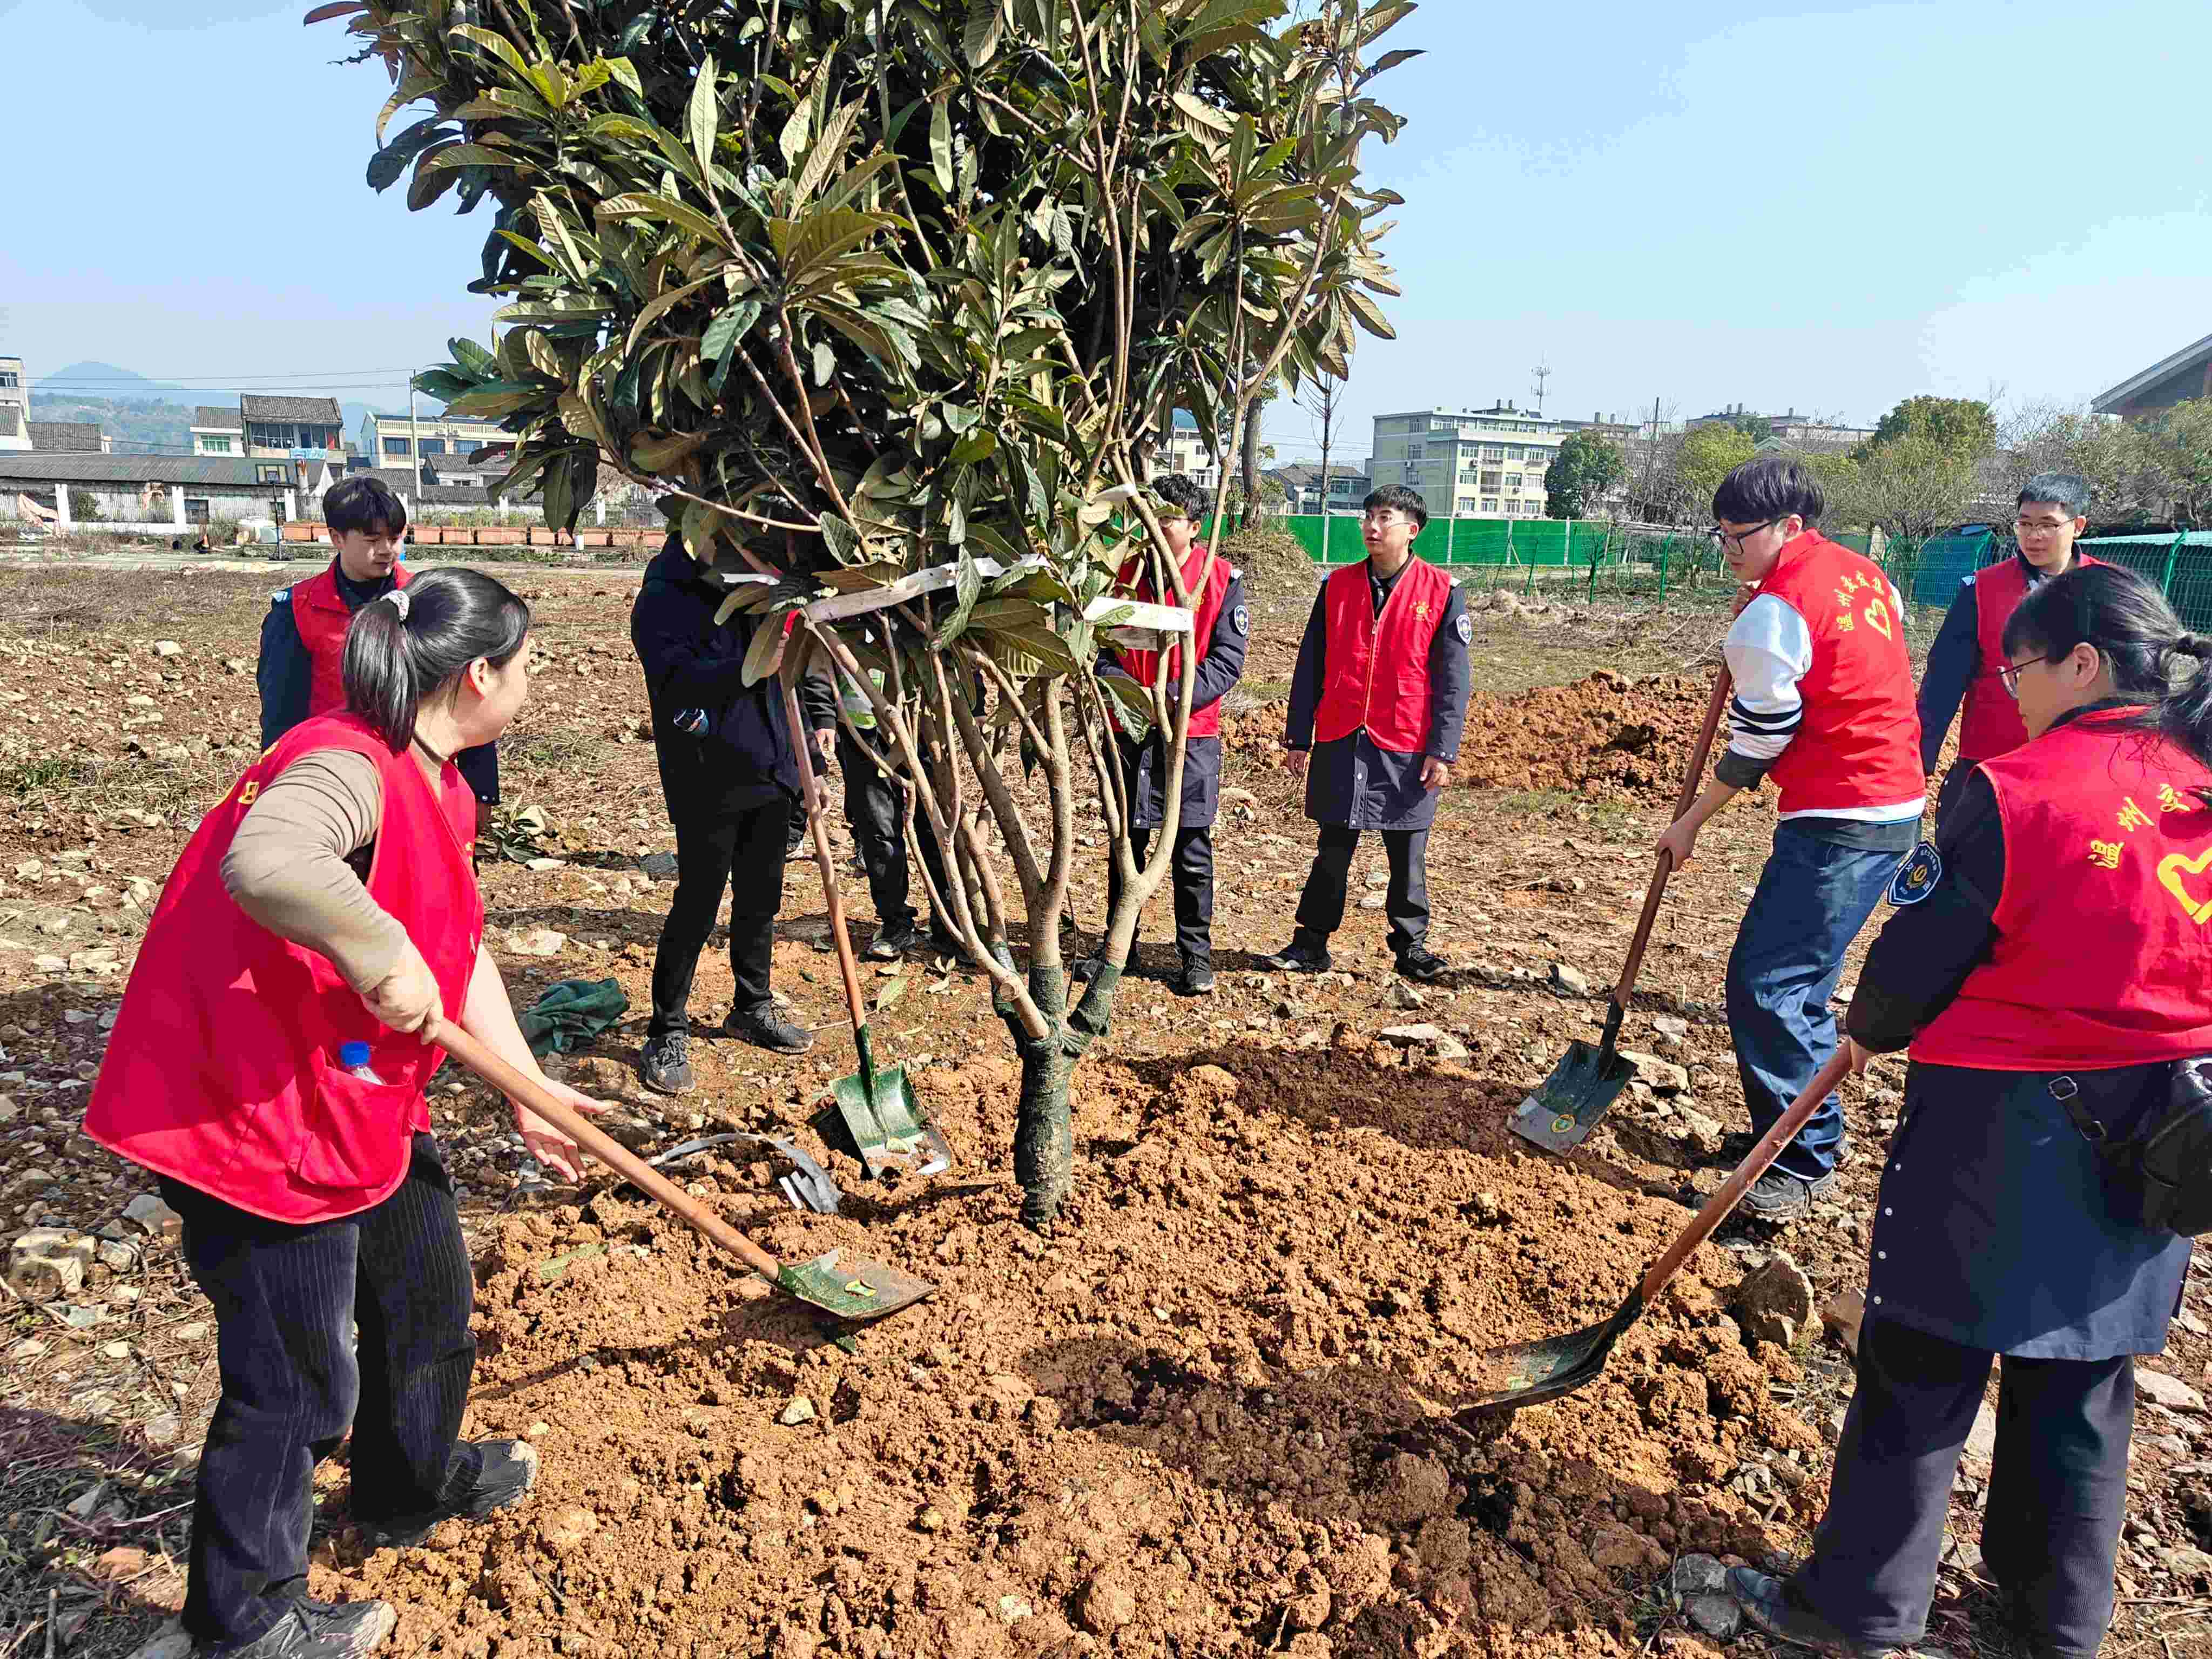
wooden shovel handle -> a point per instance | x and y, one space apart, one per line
818 827
1691 774
1755 1166
600 1144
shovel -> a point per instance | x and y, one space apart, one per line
880 1114
847 1286
1569 1104
1530 1372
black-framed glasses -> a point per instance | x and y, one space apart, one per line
1723 540
2009 675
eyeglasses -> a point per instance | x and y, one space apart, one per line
1384 517
1724 538
2040 526
2009 674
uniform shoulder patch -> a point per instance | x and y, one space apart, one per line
1235 574
1465 629
1241 620
1917 877
281 596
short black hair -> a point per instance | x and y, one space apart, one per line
1177 490
1404 500
1770 487
2068 490
365 504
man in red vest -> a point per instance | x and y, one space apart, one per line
1378 698
303 636
1963 663
1823 703
1220 618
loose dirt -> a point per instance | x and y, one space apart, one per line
1605 737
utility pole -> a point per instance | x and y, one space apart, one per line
1542 374
415 442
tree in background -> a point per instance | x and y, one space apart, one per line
1588 468
1962 426
922 281
2175 449
1323 399
1913 482
2054 437
1705 455
1757 427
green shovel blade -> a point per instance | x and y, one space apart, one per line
851 1287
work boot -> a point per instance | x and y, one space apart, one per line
1775 1605
1422 965
1303 955
893 939
764 1028
1778 1196
1193 979
666 1065
510 1469
313 1630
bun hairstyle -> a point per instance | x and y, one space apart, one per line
406 646
2152 658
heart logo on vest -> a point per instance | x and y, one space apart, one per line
2172 867
1877 617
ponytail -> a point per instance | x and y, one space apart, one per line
2151 658
406 648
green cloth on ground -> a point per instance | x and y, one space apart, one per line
571 1012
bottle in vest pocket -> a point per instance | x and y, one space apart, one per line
353 1061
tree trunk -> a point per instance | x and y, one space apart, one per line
1044 1123
1250 461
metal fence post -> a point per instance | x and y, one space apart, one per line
2172 553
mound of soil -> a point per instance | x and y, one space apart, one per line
1605 737
1280 575
1209 1415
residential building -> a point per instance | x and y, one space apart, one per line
163 490
68 437
2186 374
1790 430
1348 487
285 428
217 431
1186 451
15 405
15 427
389 439
1472 464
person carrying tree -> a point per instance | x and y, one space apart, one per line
2053 979
1823 703
1378 703
1964 662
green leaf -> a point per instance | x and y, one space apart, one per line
966 588
894 989
940 148
646 205
1369 314
704 115
841 539
825 361
660 307
473 155
760 655
980 39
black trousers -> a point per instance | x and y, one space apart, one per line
1192 873
287 1299
875 807
1321 907
2059 1488
740 848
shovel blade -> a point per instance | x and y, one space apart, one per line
1570 1102
852 1287
1529 1373
887 1125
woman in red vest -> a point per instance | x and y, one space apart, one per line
264 1066
2049 969
1963 663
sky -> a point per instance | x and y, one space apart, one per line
1824 208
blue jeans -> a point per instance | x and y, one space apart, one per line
1813 898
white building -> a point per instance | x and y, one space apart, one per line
1475 464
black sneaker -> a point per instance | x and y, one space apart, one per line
1778 1196
1194 979
510 1469
1296 957
892 941
666 1065
313 1630
1775 1606
765 1029
1422 965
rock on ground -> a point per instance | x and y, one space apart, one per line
1774 1301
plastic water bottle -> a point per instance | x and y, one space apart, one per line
353 1059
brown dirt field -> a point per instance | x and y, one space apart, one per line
1208 1415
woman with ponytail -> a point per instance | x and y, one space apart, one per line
2050 969
266 1065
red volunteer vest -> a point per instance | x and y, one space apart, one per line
222 1068
1859 745
2103 955
320 613
1376 669
1989 724
1206 580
